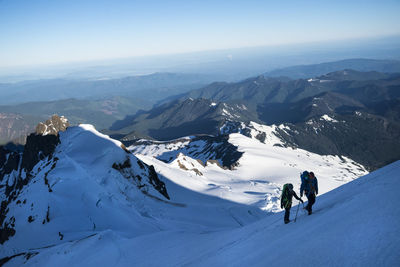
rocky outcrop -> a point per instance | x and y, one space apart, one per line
52 126
147 175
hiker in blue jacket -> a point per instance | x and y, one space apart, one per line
309 185
286 200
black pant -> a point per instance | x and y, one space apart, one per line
311 201
287 213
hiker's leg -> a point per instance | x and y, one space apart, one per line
309 198
311 201
287 214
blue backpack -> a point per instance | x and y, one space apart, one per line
304 176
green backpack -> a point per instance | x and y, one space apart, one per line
285 194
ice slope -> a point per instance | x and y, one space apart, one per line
353 225
261 172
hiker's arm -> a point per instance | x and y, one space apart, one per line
316 186
296 197
301 189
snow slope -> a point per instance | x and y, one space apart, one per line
353 225
91 185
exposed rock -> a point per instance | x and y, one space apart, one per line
157 183
127 170
37 148
52 126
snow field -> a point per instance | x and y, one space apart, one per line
262 171
353 225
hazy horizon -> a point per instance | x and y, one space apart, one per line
58 32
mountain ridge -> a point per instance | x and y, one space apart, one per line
359 64
340 99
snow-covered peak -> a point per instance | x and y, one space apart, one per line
263 133
327 118
83 181
269 133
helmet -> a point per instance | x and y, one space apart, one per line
290 186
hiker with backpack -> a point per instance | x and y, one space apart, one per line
309 185
286 200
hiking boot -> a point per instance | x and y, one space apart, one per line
286 222
309 212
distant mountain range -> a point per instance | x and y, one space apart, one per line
273 100
352 104
182 117
297 103
100 102
161 85
379 97
15 127
17 121
262 89
361 64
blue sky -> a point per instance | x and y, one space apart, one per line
40 32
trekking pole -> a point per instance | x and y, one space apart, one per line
304 209
297 212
